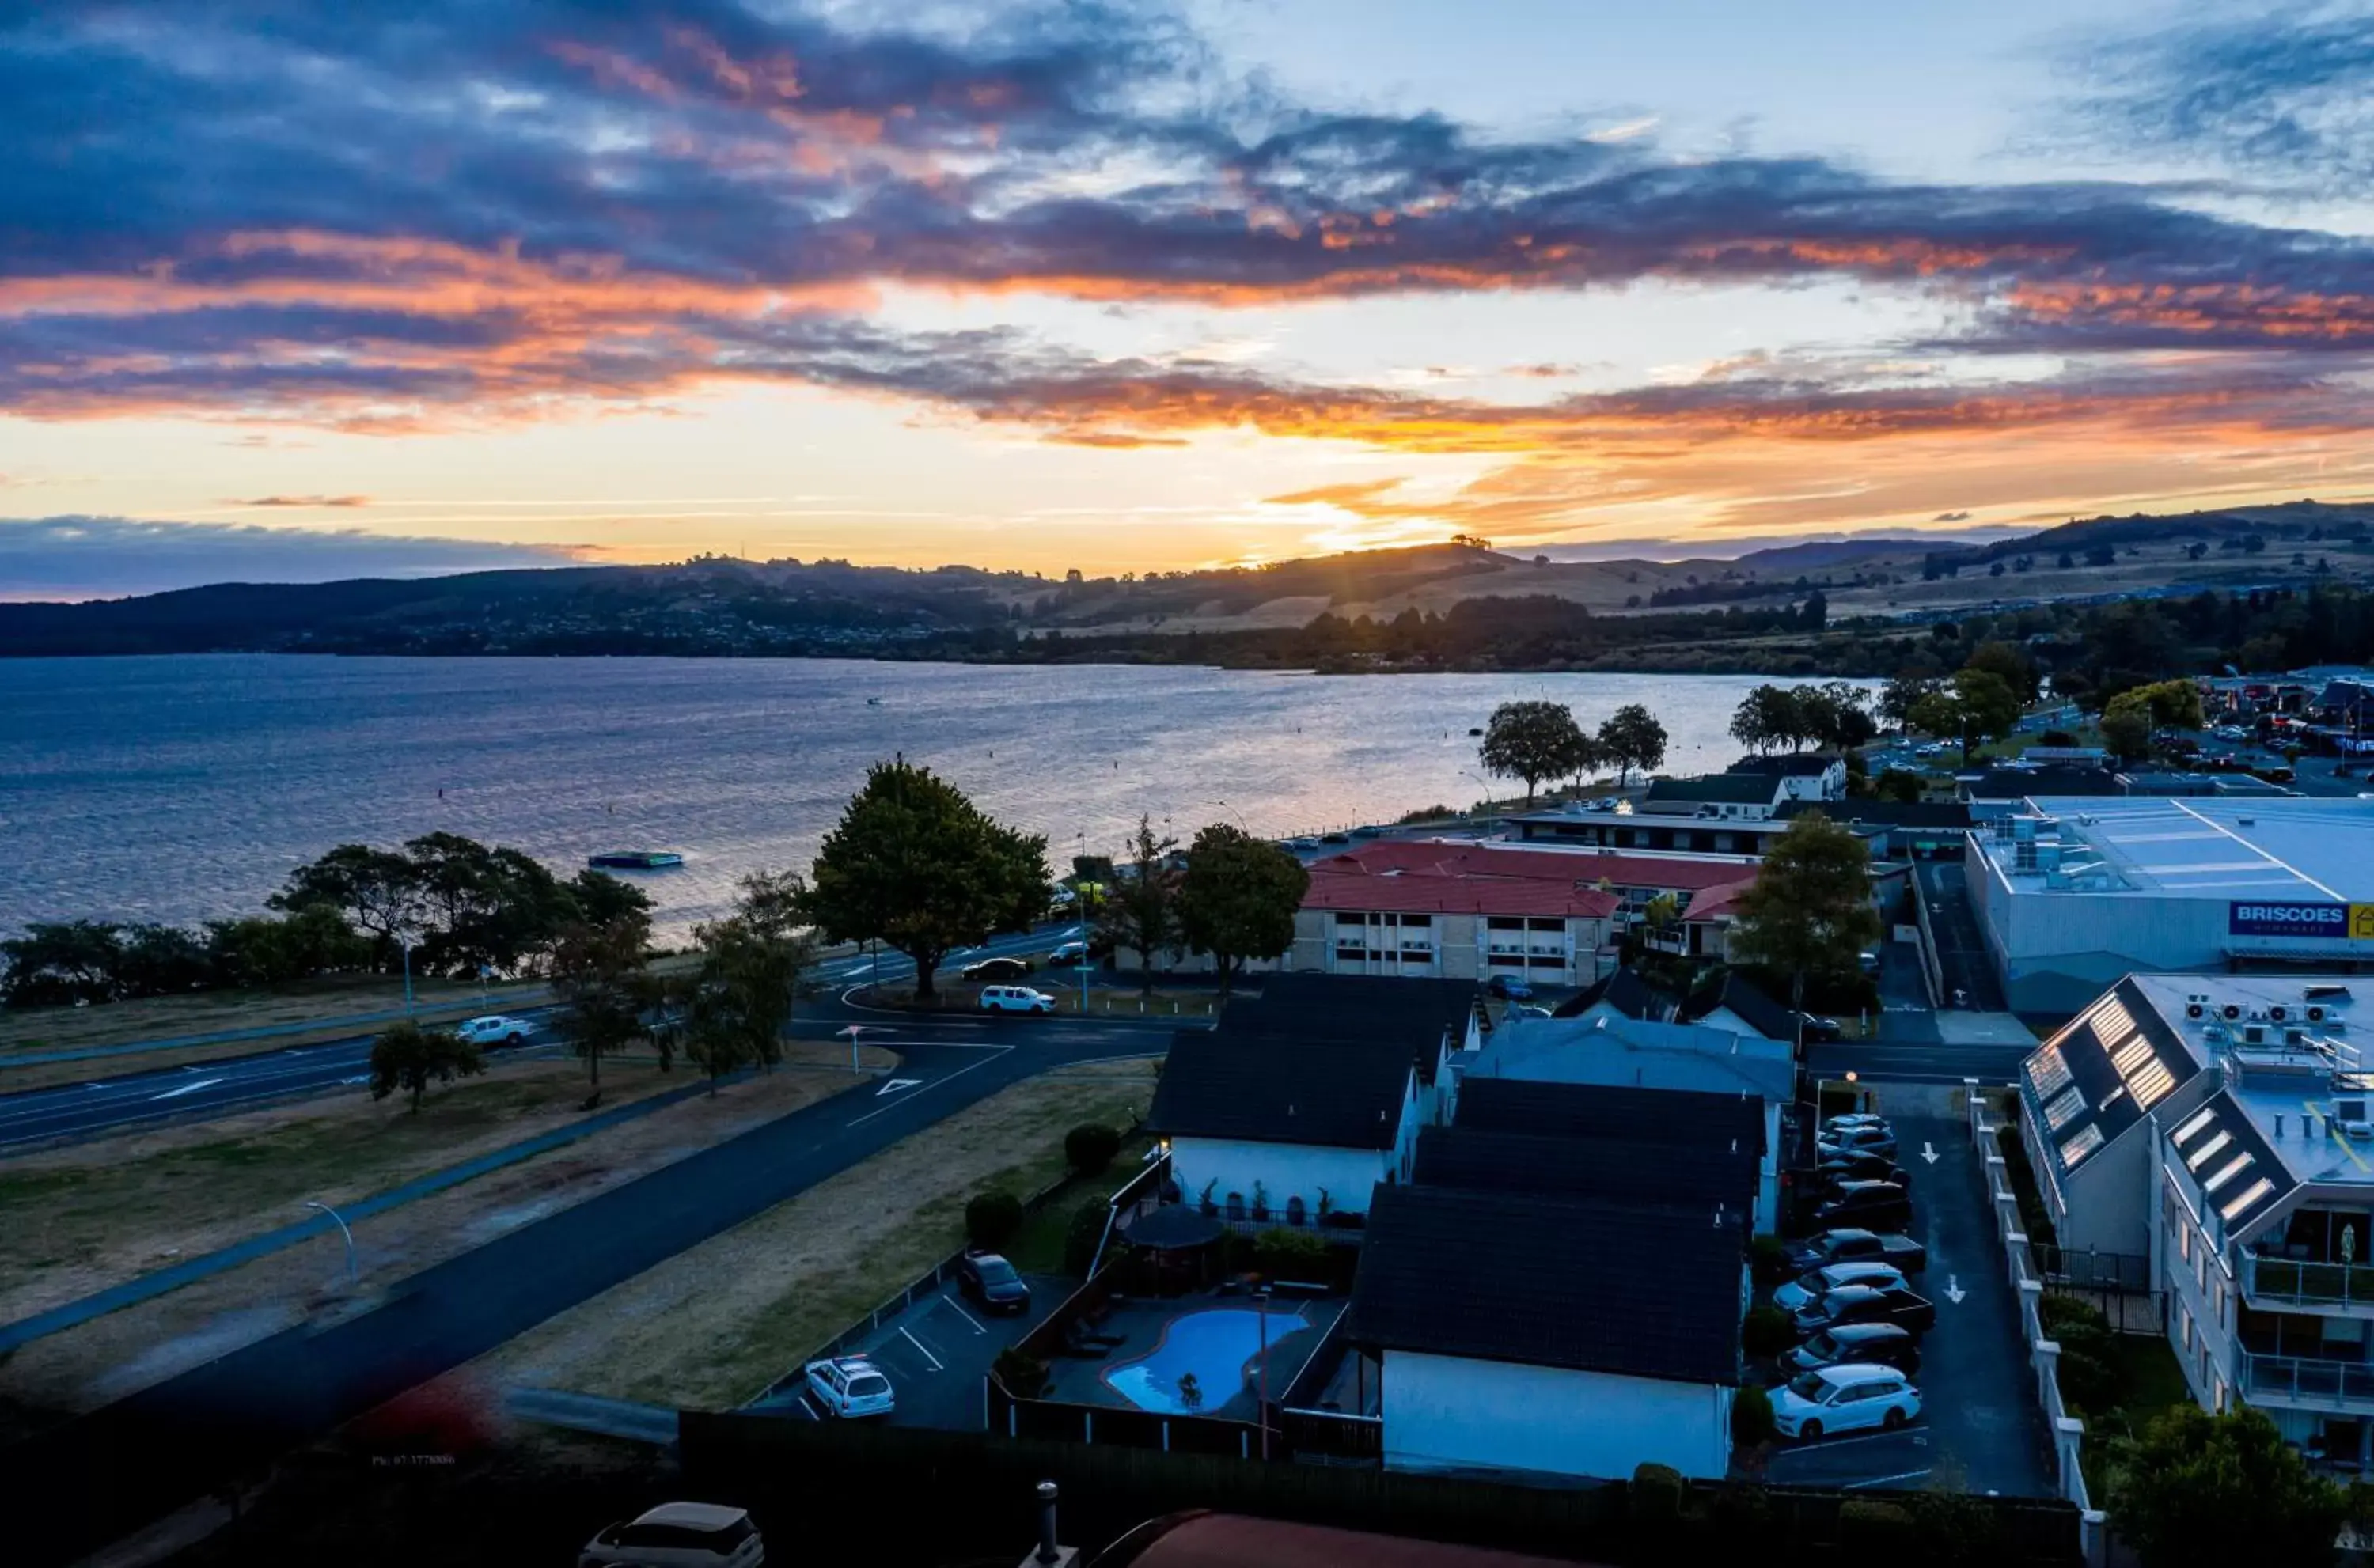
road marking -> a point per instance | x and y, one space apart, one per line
1954 1290
1826 1445
918 1345
949 1302
1882 1480
187 1089
927 1088
895 1084
1929 1151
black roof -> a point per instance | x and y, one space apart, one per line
2243 1176
1499 1276
1734 789
1744 997
2017 783
1634 1172
1337 1094
1622 989
1874 813
1788 764
1414 1012
2094 1080
1669 1119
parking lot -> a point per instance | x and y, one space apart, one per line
1980 1428
935 1354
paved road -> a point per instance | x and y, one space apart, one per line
1962 950
110 1471
113 1103
1907 1061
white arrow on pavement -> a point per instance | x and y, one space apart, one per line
187 1089
1929 1152
895 1084
1954 1290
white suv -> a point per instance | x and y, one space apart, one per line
1844 1398
678 1534
495 1029
850 1386
1015 998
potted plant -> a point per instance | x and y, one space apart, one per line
1205 1201
1261 1201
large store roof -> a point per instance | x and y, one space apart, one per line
2315 851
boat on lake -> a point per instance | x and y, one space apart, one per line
636 861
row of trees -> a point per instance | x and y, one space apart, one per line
1229 894
1833 716
1533 741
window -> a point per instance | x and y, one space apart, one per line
1505 960
1423 922
1545 925
1351 954
1504 923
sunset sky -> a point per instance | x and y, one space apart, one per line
305 291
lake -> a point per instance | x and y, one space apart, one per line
182 789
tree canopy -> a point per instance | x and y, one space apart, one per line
1140 910
1809 909
2212 1490
917 866
732 1011
1238 898
598 974
1533 741
1974 706
408 1058
1630 737
1835 715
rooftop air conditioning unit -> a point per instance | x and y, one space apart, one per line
2194 1009
2277 1012
2229 1011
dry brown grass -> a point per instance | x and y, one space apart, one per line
41 1029
712 1326
75 1220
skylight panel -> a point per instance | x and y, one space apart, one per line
2149 1084
2201 1118
2227 1171
2132 1054
2111 1020
2245 1197
2071 1102
2049 1071
2207 1152
2081 1143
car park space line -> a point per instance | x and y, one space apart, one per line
928 1356
1882 1480
950 1304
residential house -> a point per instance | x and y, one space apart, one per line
1712 1174
1429 1020
1803 776
1620 992
1740 1005
1751 796
1500 1346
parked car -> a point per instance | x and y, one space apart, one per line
1851 1246
1857 1344
1509 987
990 1280
1872 1205
996 969
1815 1283
1821 1031
1302 846
1864 1138
1843 1399
677 1535
850 1386
1334 839
1835 1166
1865 1304
1853 1119
495 1029
1073 952
1604 803
1014 999
1958 998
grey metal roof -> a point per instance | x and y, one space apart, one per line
1335 1093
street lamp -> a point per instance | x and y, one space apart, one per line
1484 785
343 1231
1238 815
1261 1306
406 942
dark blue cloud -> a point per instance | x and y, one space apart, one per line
105 557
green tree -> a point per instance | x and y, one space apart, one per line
1975 705
1836 714
915 865
2198 1489
2127 731
376 890
1900 695
597 898
62 963
2002 659
1533 741
1238 897
733 1010
1896 784
599 978
1140 911
260 951
1767 717
1808 911
1630 737
407 1058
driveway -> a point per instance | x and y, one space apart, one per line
1962 950
1982 1429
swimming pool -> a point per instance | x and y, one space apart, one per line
1216 1346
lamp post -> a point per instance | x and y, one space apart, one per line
1238 815
406 942
1482 784
340 1221
1261 1306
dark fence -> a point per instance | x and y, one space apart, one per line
2080 1268
979 1501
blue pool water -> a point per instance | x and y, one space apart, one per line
1217 1346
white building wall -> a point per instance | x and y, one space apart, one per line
1445 1411
1283 1170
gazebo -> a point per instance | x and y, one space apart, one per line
1174 1243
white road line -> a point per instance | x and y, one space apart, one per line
950 1302
187 1089
1881 1481
1826 1445
918 1345
911 1099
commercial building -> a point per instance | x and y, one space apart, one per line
2216 1127
2070 895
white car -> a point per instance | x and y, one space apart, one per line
1815 1283
678 1534
850 1386
495 1029
1068 953
1843 1399
1015 998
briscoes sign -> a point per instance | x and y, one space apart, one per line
2287 920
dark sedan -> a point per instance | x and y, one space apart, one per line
997 969
1863 1304
1854 1245
991 1280
1870 1205
1856 1344
1844 1166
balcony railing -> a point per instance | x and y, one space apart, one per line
2307 1284
2340 1385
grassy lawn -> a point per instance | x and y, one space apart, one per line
2150 1381
714 1326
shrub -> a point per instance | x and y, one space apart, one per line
1770 1260
992 1219
1085 1233
1866 1523
2089 1380
1657 1492
1751 1417
2058 1312
1764 1332
1025 1377
1283 1253
1089 1148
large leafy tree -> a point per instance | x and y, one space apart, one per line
1140 911
1630 737
1767 717
916 866
377 890
2214 1489
1975 705
1238 898
62 963
1809 910
733 1009
1533 741
1999 658
407 1058
600 977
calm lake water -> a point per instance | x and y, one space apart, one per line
182 789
